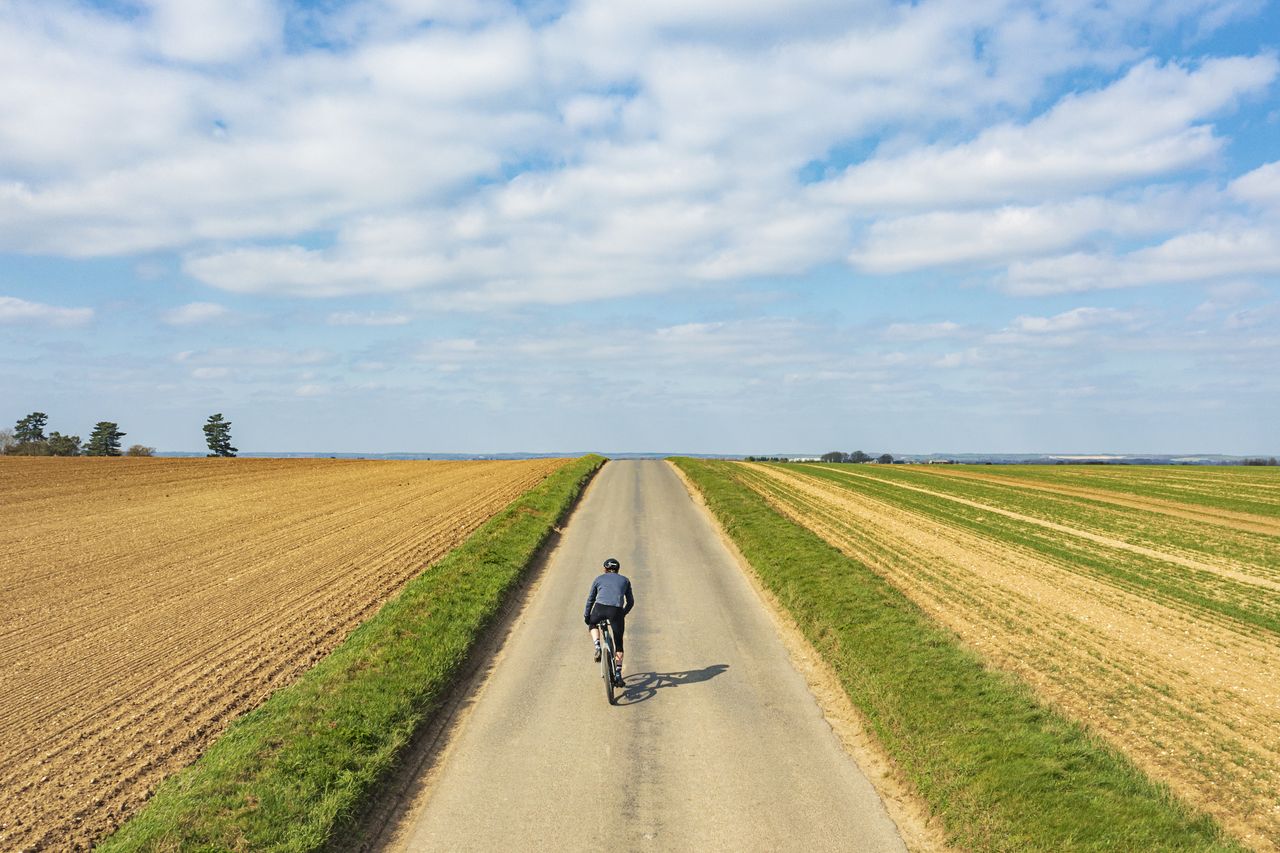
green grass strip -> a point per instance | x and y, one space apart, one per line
291 773
1002 771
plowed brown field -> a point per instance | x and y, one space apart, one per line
149 602
1185 679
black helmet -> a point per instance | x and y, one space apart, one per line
612 565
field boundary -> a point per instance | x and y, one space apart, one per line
298 772
997 767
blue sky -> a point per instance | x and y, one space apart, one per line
412 225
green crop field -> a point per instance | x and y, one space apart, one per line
1143 603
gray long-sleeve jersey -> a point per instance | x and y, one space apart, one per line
613 589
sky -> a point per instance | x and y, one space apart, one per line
730 226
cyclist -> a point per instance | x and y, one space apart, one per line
610 598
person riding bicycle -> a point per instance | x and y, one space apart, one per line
610 598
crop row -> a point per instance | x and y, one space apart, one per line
1242 588
1245 489
1176 666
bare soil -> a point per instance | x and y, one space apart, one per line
150 602
1192 697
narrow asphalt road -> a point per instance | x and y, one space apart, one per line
716 744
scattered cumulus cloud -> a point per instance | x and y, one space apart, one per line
1073 320
195 313
254 357
485 156
1151 122
1194 256
1261 186
998 236
211 31
922 331
368 318
14 310
1068 328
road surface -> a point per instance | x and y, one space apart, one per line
717 743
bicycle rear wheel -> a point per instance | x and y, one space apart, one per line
606 662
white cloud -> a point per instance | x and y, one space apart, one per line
1200 256
1261 186
1148 123
922 331
368 318
972 357
14 310
1009 233
312 390
440 66
210 373
1070 321
195 313
253 357
1068 330
215 31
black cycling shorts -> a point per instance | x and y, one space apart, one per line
617 618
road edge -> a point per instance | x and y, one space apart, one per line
906 808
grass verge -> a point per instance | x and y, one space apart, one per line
1002 771
291 773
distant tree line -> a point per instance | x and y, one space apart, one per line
1260 461
27 438
856 456
833 456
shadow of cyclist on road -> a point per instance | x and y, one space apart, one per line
640 686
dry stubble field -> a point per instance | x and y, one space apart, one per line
149 602
1144 602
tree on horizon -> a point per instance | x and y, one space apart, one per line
217 434
63 445
104 440
31 428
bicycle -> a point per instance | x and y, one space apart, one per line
607 663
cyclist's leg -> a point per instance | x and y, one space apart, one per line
594 625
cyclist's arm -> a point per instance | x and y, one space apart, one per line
628 599
591 599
